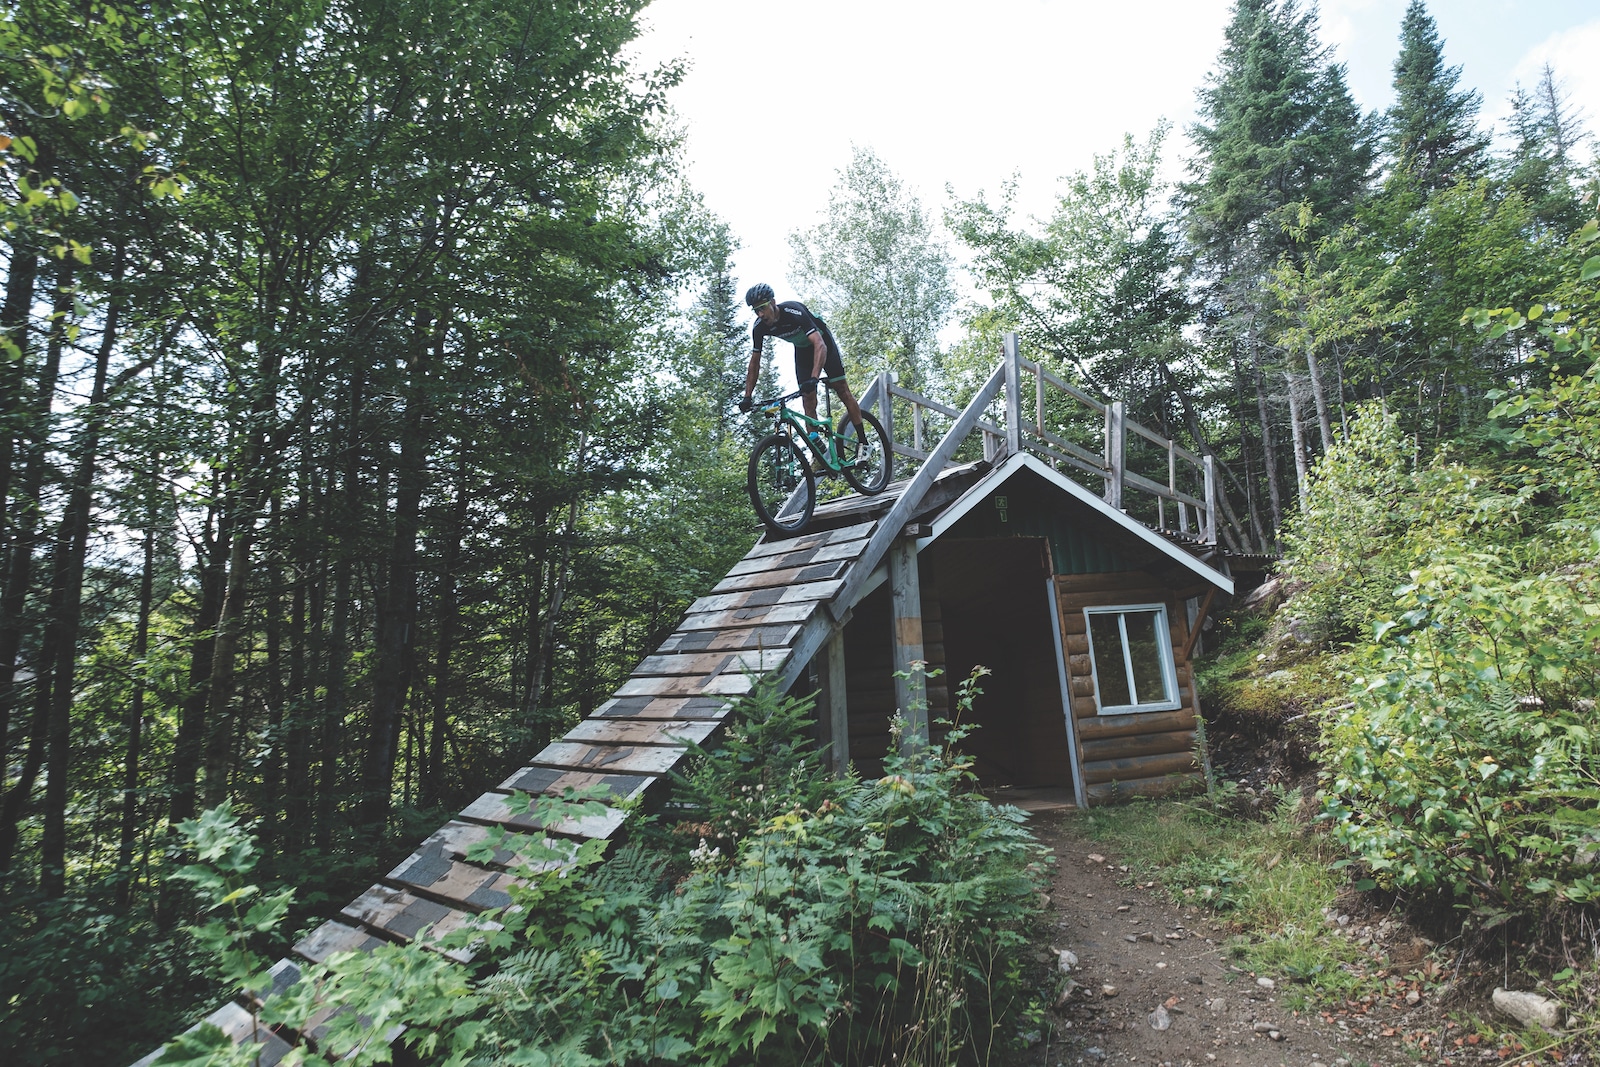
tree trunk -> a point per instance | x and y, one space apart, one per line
15 315
432 777
66 611
132 751
1302 474
212 552
541 666
22 515
1269 459
1319 394
397 602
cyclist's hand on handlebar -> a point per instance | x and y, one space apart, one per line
745 403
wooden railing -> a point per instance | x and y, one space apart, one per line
1184 490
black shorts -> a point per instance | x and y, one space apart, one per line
805 359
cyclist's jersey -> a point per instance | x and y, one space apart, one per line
794 325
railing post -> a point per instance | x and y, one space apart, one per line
1116 438
886 406
1013 396
1211 500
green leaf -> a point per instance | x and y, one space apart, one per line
1591 269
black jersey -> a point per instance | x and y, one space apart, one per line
795 323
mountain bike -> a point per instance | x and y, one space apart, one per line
783 481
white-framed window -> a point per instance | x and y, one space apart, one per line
1130 647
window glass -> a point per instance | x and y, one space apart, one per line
1144 654
1105 635
1130 663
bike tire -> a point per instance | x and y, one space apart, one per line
777 469
873 462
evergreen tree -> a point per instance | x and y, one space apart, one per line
1280 140
1430 129
1544 165
1278 128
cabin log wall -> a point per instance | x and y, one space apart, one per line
1139 754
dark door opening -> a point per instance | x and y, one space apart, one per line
995 609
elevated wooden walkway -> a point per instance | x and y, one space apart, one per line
771 615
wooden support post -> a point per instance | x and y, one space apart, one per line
892 525
1194 628
905 614
833 714
1116 438
1079 792
1211 500
1013 396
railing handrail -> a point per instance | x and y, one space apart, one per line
1018 431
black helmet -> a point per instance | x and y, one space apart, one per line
759 294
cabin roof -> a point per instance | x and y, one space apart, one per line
1017 463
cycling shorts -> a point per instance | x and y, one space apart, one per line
805 358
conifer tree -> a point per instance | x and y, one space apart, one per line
1280 139
1431 132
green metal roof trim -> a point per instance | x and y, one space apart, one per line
1024 507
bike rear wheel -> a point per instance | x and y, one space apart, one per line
868 470
777 469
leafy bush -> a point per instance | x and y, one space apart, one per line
884 922
1468 762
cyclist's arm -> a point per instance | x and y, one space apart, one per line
820 351
753 371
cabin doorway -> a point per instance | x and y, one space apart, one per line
995 599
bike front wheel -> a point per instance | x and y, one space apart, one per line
866 463
783 490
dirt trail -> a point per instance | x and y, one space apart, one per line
1144 962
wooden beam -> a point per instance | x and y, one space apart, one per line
1116 440
1065 681
1199 621
1013 370
333 937
833 710
905 620
888 529
403 916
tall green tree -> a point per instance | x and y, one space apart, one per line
1278 134
1430 129
878 271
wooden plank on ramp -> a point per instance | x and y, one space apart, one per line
553 781
402 916
463 885
729 640
710 663
639 732
711 708
496 808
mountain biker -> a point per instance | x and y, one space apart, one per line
815 352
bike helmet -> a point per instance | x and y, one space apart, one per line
759 294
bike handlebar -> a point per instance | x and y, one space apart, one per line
777 401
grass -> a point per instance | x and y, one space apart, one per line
1270 879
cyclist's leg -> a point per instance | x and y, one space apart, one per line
833 368
802 371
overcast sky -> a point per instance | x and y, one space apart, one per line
968 93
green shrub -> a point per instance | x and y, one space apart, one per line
884 922
1468 763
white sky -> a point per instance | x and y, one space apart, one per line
968 93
